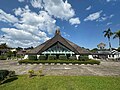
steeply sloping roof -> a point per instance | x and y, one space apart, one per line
58 38
78 48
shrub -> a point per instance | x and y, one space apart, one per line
83 58
40 72
31 73
19 56
32 57
72 58
62 57
42 57
9 54
52 57
6 76
11 73
3 57
3 74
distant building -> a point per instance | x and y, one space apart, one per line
4 49
21 52
105 55
101 46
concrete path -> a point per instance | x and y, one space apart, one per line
104 69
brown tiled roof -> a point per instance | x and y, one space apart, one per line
58 38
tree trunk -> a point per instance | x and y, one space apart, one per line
109 44
119 41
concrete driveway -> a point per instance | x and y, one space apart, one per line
104 69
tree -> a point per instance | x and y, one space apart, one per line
108 34
118 49
117 35
4 46
19 48
94 50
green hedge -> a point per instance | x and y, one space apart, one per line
83 58
3 57
32 57
52 57
59 61
42 57
72 58
62 57
3 74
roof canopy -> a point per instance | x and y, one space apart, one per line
58 38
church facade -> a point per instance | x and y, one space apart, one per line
58 45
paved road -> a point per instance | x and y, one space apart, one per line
104 69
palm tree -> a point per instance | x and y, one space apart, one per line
108 34
117 35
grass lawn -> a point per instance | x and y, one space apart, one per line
63 83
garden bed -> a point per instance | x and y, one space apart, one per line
58 61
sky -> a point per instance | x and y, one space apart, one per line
26 23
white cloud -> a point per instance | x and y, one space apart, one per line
110 0
7 17
16 34
29 29
73 21
111 15
18 11
104 17
15 37
59 8
37 3
21 0
93 16
33 28
65 34
42 21
109 23
88 8
76 26
101 19
18 43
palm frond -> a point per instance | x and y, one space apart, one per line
116 34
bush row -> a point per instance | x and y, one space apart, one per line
59 61
42 57
32 57
63 57
53 57
83 58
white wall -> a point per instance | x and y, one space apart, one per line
26 57
77 56
38 56
90 57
